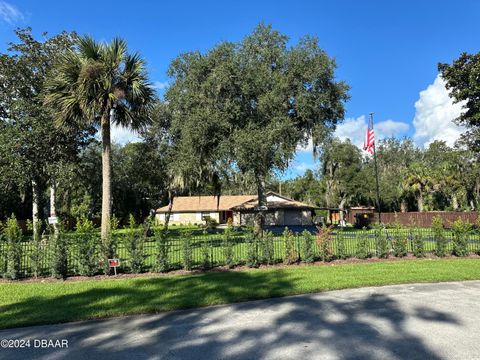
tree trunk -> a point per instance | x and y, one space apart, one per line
341 207
420 202
454 202
262 205
52 204
106 180
403 206
35 211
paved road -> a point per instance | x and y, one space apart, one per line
419 321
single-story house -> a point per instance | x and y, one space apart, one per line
281 211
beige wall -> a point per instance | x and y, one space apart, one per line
186 218
281 217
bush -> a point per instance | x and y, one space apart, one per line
363 247
325 243
252 250
3 252
418 242
461 231
228 245
340 248
399 242
163 248
210 223
308 247
187 253
205 248
441 242
13 237
58 247
89 246
291 254
381 240
134 243
267 247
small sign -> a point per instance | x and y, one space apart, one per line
114 263
52 220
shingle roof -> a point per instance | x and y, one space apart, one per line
228 202
206 203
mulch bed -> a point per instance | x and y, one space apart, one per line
226 269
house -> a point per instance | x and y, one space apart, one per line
281 211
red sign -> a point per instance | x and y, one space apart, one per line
113 263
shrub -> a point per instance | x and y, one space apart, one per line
13 237
252 250
58 247
363 247
267 247
461 231
441 241
163 248
89 246
381 240
134 243
205 248
399 242
340 248
418 242
308 247
3 252
228 244
210 223
325 243
187 252
291 254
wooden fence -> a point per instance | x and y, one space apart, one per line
420 219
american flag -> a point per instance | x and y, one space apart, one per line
369 141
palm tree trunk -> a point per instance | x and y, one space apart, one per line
454 202
35 211
403 206
52 204
262 205
106 181
420 202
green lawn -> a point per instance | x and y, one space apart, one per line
30 303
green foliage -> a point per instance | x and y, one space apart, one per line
291 254
363 246
163 249
205 250
251 242
88 244
267 248
441 241
210 223
382 243
325 243
228 245
399 241
308 247
340 248
58 249
187 251
461 231
13 237
418 242
134 243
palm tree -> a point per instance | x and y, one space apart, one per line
100 84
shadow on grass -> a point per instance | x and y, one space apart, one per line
365 327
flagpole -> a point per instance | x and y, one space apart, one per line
376 174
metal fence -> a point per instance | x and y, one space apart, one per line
210 250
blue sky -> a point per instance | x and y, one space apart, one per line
387 51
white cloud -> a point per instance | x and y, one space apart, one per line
9 13
160 85
354 129
434 112
123 135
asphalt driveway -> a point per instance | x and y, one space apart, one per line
418 321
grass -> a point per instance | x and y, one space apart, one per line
33 303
